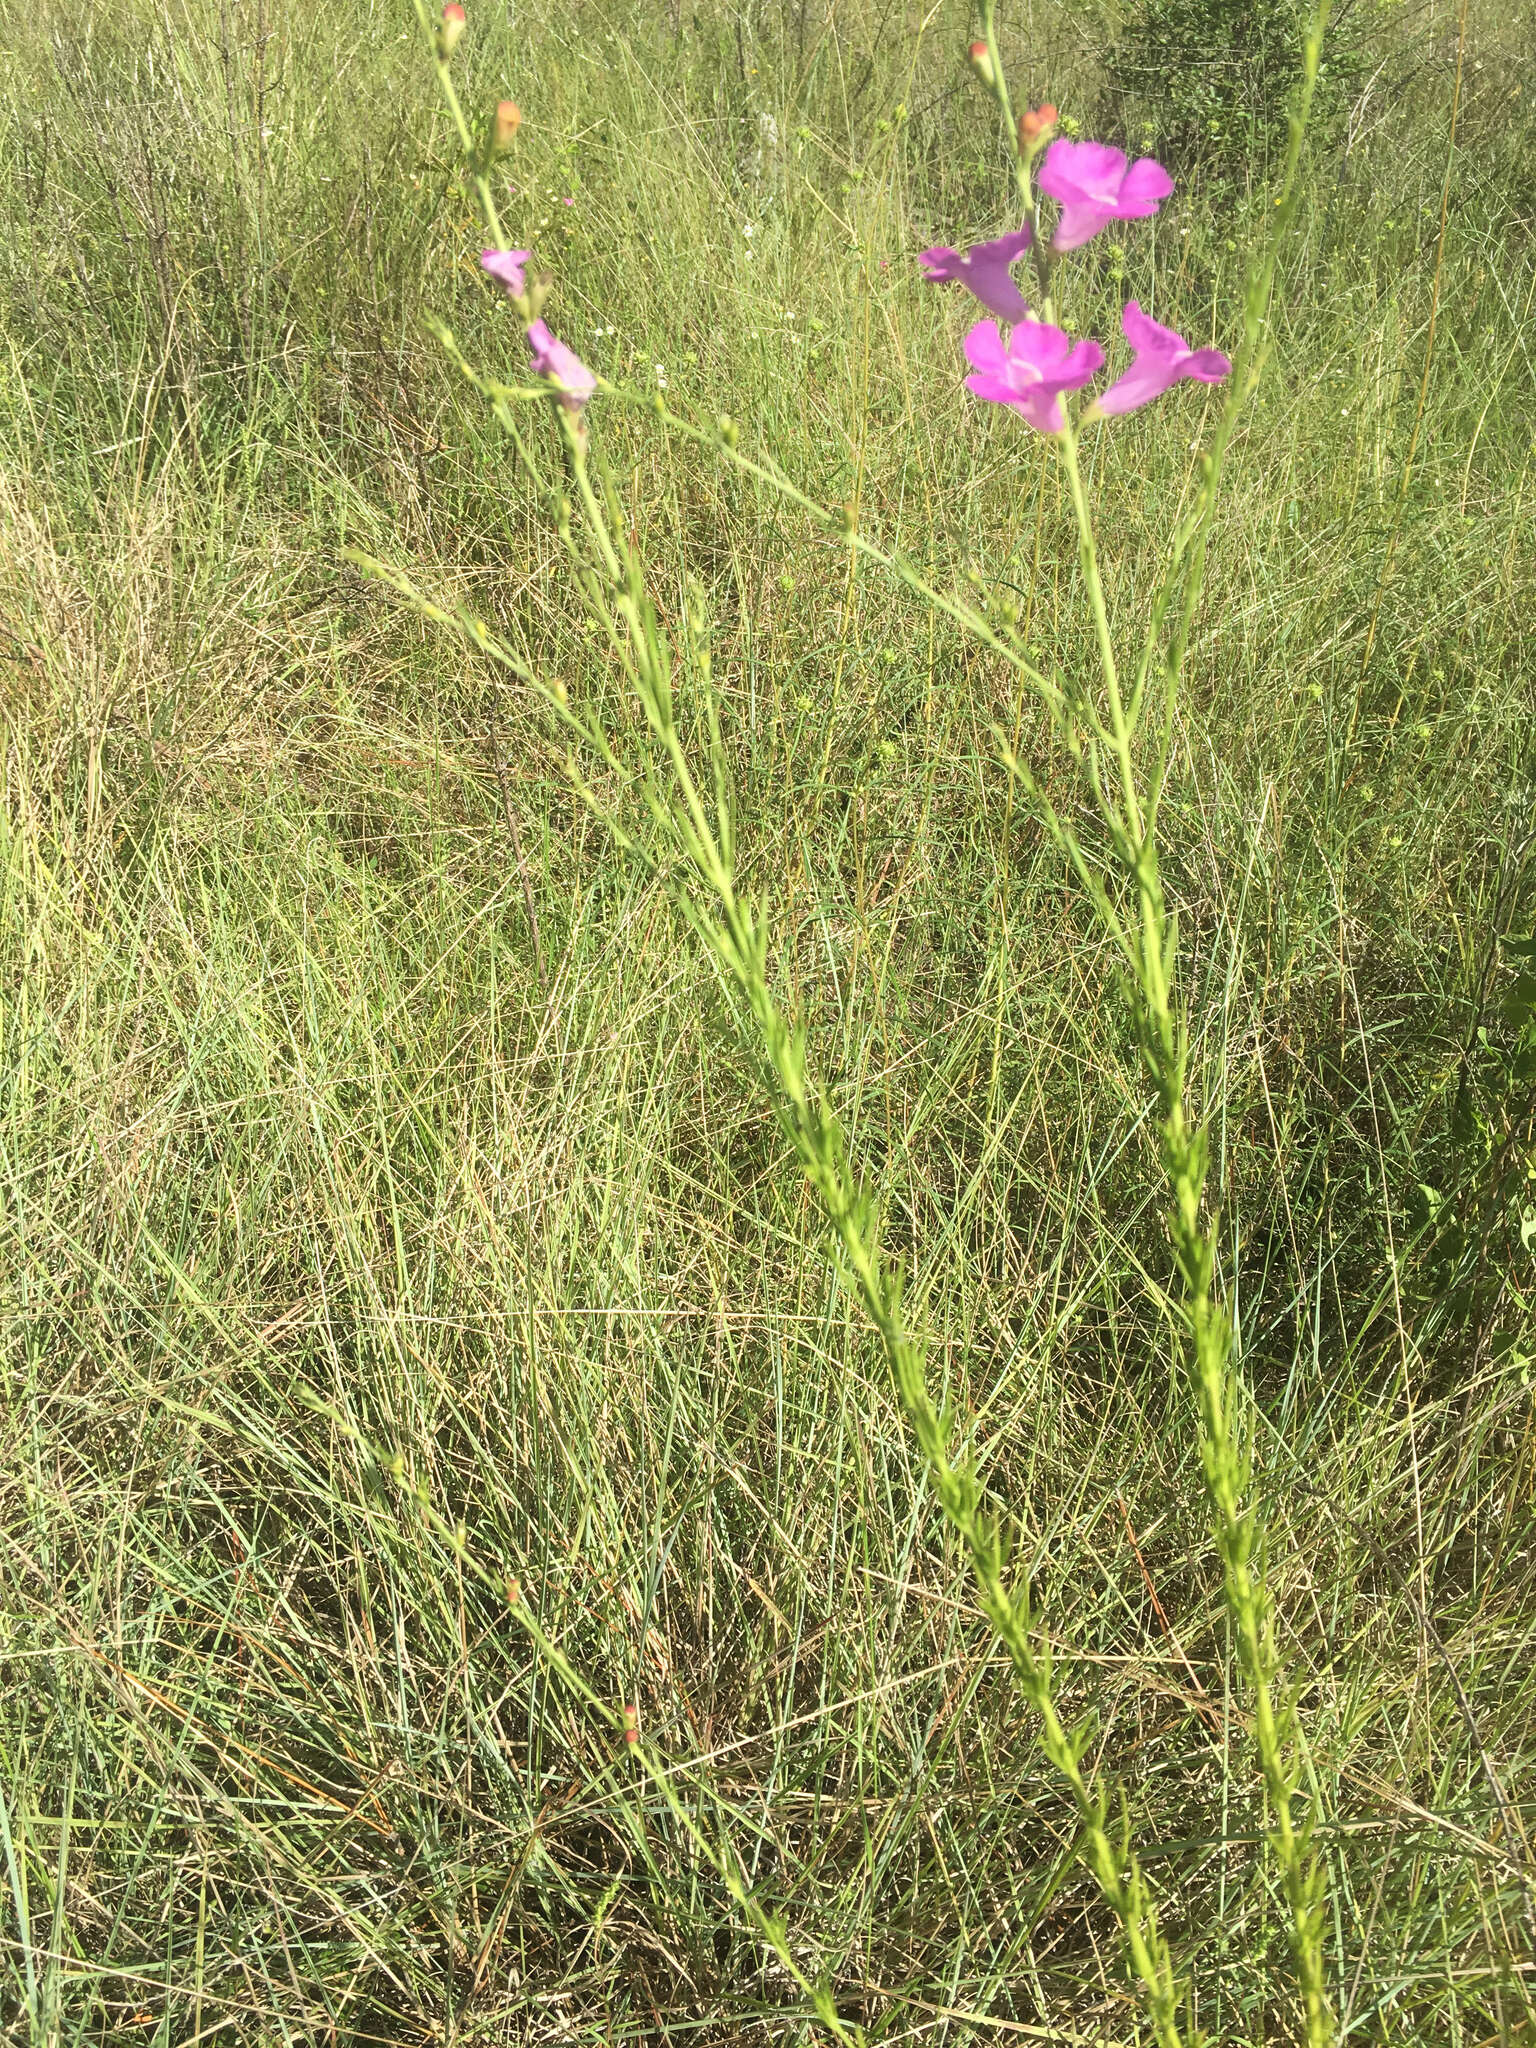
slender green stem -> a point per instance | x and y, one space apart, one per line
1163 1035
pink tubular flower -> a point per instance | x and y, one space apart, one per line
1091 181
983 270
1162 358
506 266
1030 372
552 359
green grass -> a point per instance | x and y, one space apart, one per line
302 1159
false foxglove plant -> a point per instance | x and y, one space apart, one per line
1119 730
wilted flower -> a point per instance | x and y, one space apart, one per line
983 270
1094 185
506 266
552 359
1030 371
1162 359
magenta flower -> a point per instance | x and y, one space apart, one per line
1091 181
1030 372
551 358
983 270
506 266
1162 358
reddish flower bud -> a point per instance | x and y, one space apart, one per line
980 59
505 123
631 1725
451 25
1035 126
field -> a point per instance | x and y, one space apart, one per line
390 1204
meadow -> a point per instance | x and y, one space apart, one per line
389 1210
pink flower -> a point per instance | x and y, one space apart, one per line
552 359
1037 363
506 266
983 270
1162 358
1092 183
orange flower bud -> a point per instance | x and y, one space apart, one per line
504 126
450 27
1035 126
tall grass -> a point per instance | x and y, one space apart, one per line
292 1123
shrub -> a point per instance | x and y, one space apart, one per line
1208 81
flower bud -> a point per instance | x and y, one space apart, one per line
450 27
730 433
979 57
1035 126
505 123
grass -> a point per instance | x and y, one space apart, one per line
310 1161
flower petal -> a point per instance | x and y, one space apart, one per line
996 390
506 266
1042 408
1085 361
1143 332
1080 221
562 365
983 270
1147 378
1082 170
1209 365
984 349
1146 185
940 264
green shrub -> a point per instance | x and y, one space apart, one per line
1208 81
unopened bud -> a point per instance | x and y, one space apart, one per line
730 433
980 60
1035 125
505 123
450 27
631 1725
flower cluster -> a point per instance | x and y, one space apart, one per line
1029 368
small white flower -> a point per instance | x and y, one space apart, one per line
749 230
661 376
